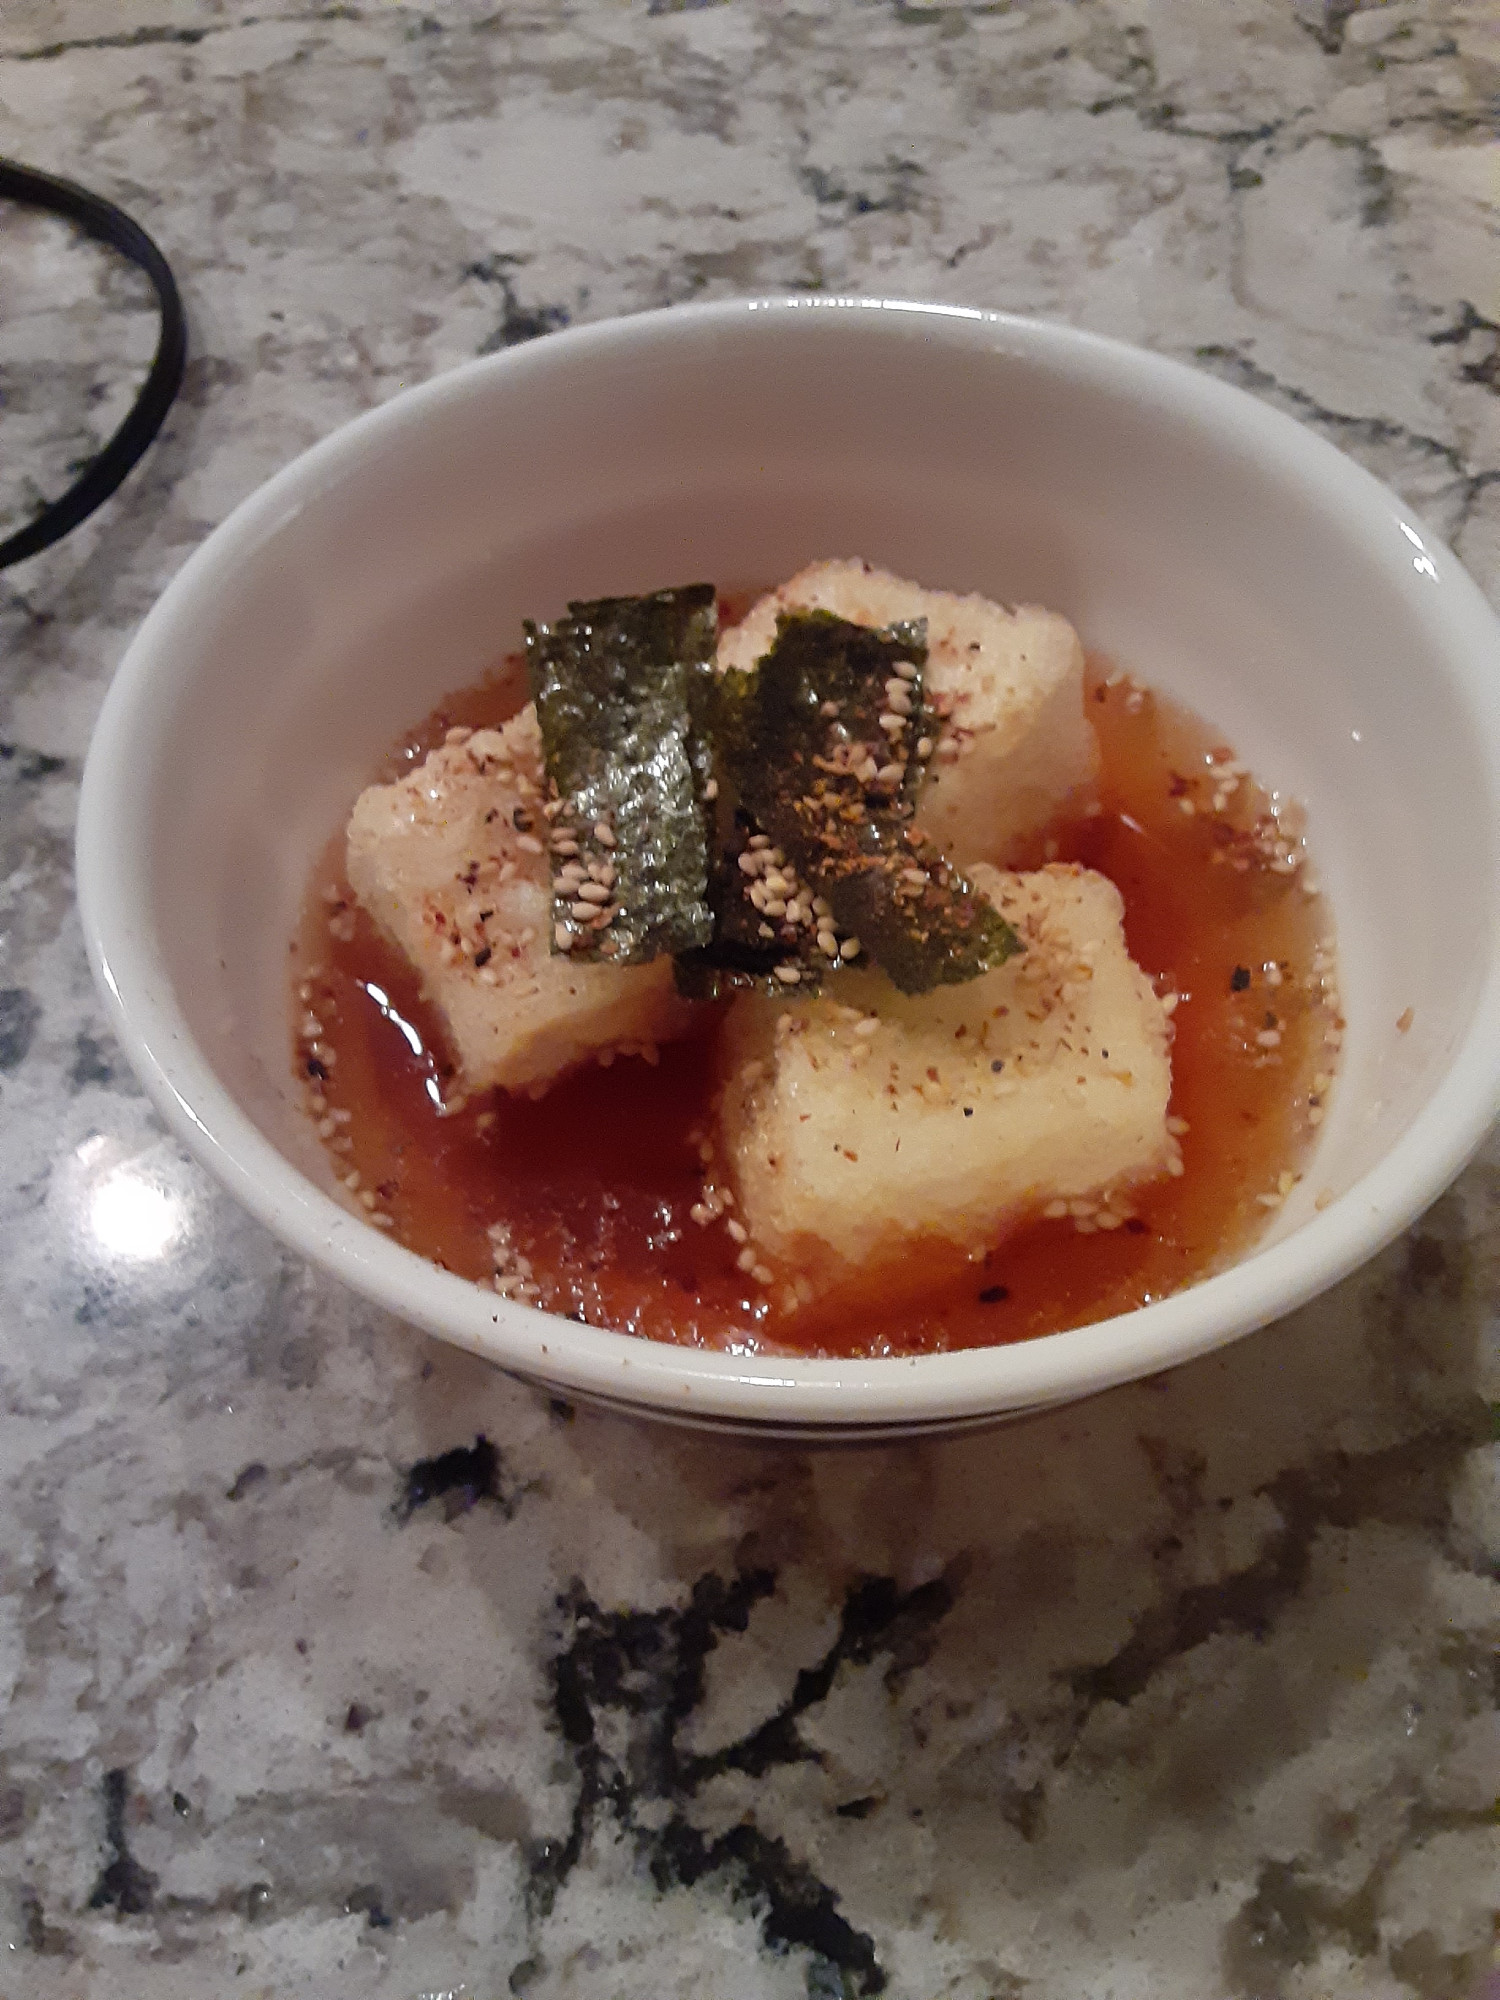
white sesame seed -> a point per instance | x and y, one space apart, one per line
563 937
1268 1038
774 906
593 892
849 948
604 833
761 1273
924 747
828 944
892 724
737 1230
746 1260
890 774
789 975
905 669
528 843
867 1027
711 790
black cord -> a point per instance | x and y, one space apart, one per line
102 220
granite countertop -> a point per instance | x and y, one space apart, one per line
333 1663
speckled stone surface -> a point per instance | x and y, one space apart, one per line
1185 1693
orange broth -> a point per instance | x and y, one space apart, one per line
594 1181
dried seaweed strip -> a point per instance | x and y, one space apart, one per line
803 730
617 685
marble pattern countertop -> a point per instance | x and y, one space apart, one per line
1188 1692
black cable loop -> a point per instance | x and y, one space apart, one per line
103 473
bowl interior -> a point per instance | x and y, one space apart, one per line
1207 545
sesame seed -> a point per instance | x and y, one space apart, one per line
905 669
867 1027
828 944
898 701
760 843
711 790
593 892
789 975
761 1273
891 724
604 833
528 843
749 865
890 774
924 747
582 910
746 1260
737 1230
849 948
563 937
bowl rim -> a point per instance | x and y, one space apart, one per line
115 905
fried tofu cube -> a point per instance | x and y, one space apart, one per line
853 1124
1016 748
452 864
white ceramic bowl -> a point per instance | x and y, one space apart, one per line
1214 547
